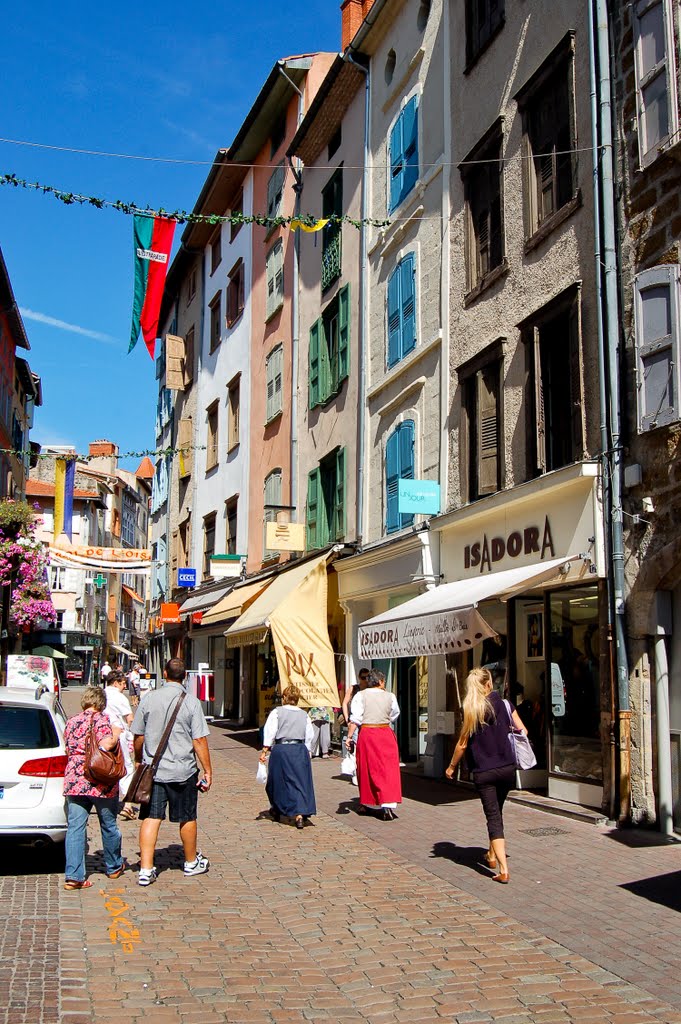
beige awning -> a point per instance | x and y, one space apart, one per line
235 603
205 597
446 619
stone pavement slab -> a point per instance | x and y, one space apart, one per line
338 922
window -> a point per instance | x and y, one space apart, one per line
482 179
208 542
481 458
231 523
188 362
274 270
271 507
325 512
185 440
330 349
274 370
57 577
233 411
215 322
404 153
191 285
549 137
237 210
275 191
484 18
212 436
235 293
399 465
184 542
216 251
332 206
655 77
555 401
128 521
656 319
402 309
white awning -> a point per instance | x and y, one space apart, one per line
205 598
445 620
124 650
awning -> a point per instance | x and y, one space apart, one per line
131 593
45 651
205 598
236 602
253 624
446 620
124 650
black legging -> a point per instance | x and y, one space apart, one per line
493 787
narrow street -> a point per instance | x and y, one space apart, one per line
352 920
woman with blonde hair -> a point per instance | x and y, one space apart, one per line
288 738
485 741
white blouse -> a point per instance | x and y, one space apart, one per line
357 708
271 727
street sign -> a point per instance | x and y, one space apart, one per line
418 496
186 577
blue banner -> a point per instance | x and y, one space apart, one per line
418 497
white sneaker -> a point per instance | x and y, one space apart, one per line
147 876
197 867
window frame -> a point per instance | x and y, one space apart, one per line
212 435
274 273
238 208
273 480
398 344
668 275
215 250
231 506
209 527
191 285
325 506
474 435
332 233
235 301
326 374
485 36
490 147
274 372
396 441
275 192
215 306
642 81
233 412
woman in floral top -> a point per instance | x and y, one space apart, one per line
82 794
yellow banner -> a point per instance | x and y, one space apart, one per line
301 641
310 228
59 491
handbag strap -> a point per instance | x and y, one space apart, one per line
166 735
507 705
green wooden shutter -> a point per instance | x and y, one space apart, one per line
311 512
339 497
325 374
343 333
313 383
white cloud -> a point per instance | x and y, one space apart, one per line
62 325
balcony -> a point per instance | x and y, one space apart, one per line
331 255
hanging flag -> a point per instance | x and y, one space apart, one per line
153 239
69 481
310 228
64 479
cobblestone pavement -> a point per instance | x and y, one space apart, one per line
350 920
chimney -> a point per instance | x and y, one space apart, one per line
103 456
353 13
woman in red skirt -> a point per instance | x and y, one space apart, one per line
378 759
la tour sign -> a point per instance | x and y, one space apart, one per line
530 540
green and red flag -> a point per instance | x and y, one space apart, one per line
153 242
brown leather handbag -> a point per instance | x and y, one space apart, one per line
102 767
142 781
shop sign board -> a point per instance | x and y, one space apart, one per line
285 536
186 577
170 613
418 497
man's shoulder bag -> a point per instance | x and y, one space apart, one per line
139 790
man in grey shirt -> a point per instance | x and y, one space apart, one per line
177 783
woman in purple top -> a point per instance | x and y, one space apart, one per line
485 741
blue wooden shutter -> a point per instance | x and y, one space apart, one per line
314 365
394 317
408 283
311 512
410 146
406 441
338 528
396 164
343 333
392 476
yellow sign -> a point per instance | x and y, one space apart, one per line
285 536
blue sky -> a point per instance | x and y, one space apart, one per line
173 81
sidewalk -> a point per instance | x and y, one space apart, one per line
359 920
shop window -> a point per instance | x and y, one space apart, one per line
555 400
404 153
481 433
655 66
212 438
401 311
549 140
329 354
235 293
325 511
399 465
272 505
332 206
231 507
208 542
482 179
656 320
484 18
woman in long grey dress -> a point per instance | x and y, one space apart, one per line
288 737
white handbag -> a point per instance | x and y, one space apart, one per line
523 753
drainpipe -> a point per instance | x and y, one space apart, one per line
445 263
598 19
361 383
295 330
665 791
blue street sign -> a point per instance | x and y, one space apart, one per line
418 496
186 577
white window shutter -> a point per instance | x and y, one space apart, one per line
656 315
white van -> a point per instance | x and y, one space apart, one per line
27 671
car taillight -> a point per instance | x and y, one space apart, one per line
45 767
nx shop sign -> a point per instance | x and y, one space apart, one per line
530 540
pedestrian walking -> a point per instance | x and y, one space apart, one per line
176 784
133 681
119 713
103 672
484 740
321 724
373 711
287 738
82 794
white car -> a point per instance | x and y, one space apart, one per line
32 765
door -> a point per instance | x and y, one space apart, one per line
407 727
